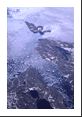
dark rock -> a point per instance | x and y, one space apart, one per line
34 29
43 104
34 94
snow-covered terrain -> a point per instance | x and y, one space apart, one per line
58 20
41 57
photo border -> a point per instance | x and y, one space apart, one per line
77 57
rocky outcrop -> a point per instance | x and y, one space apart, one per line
56 53
38 29
54 82
18 90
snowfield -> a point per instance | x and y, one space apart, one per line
58 20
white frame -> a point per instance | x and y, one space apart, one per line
77 57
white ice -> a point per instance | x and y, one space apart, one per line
58 20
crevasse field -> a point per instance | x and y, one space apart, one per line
40 57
